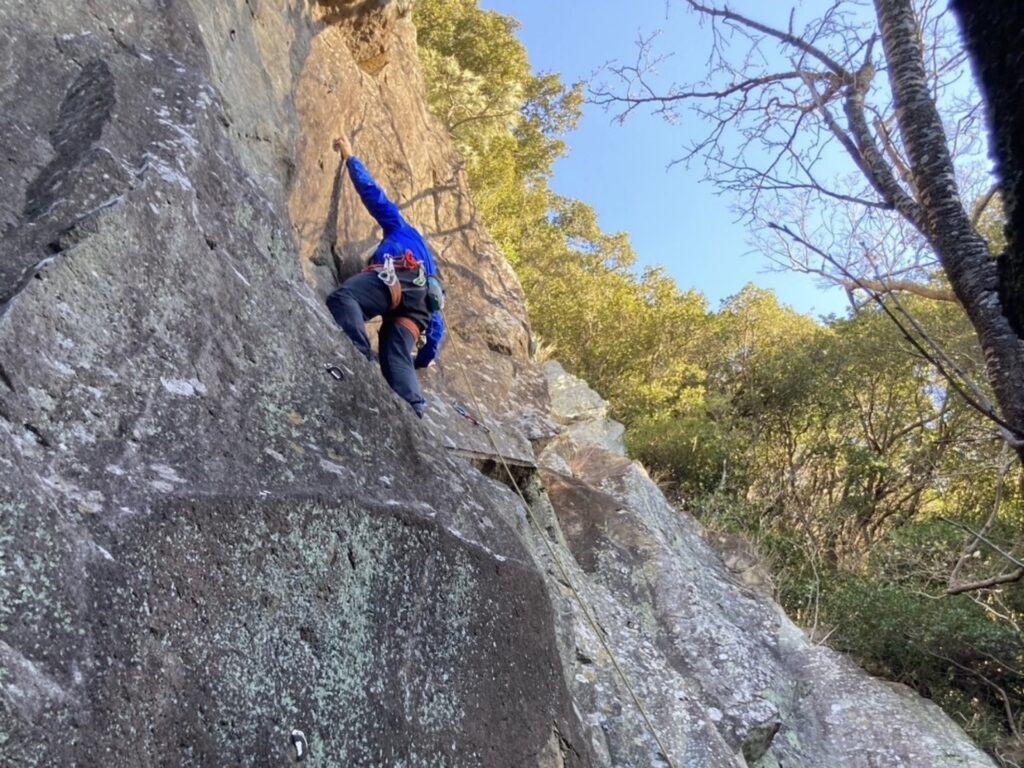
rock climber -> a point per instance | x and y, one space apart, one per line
400 284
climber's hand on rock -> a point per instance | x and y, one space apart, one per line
344 146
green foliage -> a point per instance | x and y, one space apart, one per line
833 446
691 450
506 121
992 224
949 648
629 335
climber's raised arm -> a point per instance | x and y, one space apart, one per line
377 203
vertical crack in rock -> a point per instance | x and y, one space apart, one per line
6 379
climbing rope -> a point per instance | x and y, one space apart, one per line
563 571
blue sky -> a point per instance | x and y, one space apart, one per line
673 218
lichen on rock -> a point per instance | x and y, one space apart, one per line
206 542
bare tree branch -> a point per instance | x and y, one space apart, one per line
981 537
903 286
1000 691
962 251
994 581
773 119
972 546
949 371
785 37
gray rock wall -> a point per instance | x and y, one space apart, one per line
727 678
207 542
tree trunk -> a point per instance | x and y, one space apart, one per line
964 254
994 36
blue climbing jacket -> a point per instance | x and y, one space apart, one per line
399 237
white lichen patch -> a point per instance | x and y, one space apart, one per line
275 455
41 399
183 387
82 435
167 473
239 275
62 368
335 469
26 687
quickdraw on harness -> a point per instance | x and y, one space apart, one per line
388 270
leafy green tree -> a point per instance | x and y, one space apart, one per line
506 121
835 446
628 334
783 101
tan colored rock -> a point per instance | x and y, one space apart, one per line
484 364
743 562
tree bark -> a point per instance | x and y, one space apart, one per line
994 37
963 253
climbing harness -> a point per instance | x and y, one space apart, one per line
300 745
410 325
388 270
566 579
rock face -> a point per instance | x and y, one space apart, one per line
206 542
582 413
727 678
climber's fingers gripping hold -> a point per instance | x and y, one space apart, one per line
344 146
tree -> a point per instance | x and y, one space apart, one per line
620 330
506 120
994 35
796 98
833 445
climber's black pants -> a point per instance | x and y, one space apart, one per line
363 297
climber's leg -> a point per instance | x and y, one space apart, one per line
396 344
360 298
